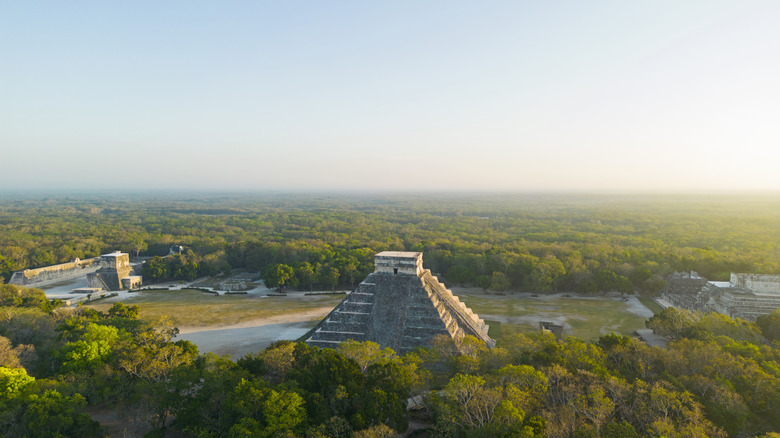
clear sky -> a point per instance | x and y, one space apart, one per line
390 95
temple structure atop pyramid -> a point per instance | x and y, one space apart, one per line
400 305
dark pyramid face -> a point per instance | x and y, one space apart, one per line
400 309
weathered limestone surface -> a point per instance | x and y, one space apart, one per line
745 296
400 306
132 282
55 273
758 283
114 268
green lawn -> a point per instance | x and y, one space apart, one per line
586 318
189 307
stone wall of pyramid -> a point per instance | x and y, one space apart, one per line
400 311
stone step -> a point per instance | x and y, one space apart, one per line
349 306
346 333
359 297
420 300
344 326
442 310
455 331
330 344
425 323
411 342
411 334
422 310
347 317
447 318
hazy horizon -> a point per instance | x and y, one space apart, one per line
567 97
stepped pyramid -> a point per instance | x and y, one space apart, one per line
400 305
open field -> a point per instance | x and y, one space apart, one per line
583 317
192 308
239 324
236 325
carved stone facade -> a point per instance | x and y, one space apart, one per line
745 296
114 273
400 305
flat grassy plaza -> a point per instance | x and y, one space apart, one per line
583 317
193 308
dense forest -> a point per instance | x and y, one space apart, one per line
717 378
584 243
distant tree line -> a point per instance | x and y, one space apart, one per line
587 244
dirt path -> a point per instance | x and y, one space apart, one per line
237 340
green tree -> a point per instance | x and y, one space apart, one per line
770 325
548 274
12 382
120 310
305 274
499 282
51 414
278 275
136 242
347 266
329 277
284 413
594 406
365 353
93 347
10 295
9 356
377 431
607 280
639 277
156 268
672 322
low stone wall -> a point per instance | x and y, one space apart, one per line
55 273
89 297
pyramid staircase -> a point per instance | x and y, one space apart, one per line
349 320
420 308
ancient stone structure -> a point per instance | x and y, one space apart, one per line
114 273
745 296
132 282
55 273
400 305
86 290
555 329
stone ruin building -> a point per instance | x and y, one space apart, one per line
745 296
400 305
555 329
114 273
56 273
